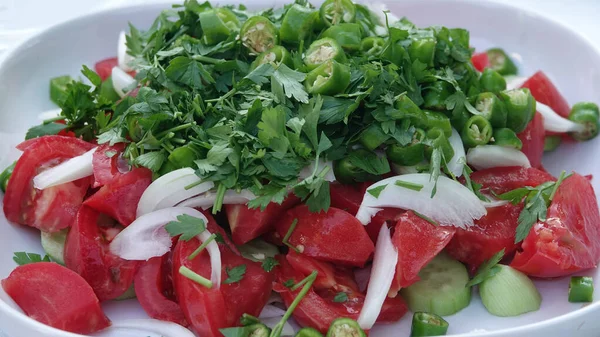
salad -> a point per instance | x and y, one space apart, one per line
336 165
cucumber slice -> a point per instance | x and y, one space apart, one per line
108 91
54 245
58 88
442 289
129 294
509 293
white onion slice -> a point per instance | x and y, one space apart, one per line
494 202
288 329
457 163
514 82
207 199
487 156
147 237
555 122
308 170
123 58
453 204
270 311
399 169
154 326
169 190
67 171
382 275
121 81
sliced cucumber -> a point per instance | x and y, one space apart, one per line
509 293
54 245
442 289
129 294
58 88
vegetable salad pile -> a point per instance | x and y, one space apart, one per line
234 169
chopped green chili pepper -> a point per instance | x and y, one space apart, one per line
520 108
477 131
372 45
275 55
259 34
492 81
426 324
182 157
329 78
551 143
217 24
501 63
334 12
394 52
308 332
437 138
459 120
581 289
422 48
348 35
258 330
346 172
434 119
247 319
344 327
5 176
296 24
507 138
406 105
411 154
58 88
373 136
108 91
436 95
323 50
492 108
587 114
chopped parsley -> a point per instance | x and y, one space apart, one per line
409 185
340 297
187 226
235 274
269 264
488 269
22 258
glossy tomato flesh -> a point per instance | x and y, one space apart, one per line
480 61
533 140
544 91
104 67
504 179
105 163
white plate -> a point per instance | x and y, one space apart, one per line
571 61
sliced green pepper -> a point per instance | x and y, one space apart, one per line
58 88
372 46
275 55
373 136
501 63
348 35
422 48
459 120
551 143
411 154
308 332
436 95
259 34
507 138
334 12
520 108
477 131
329 78
492 81
5 176
406 105
492 108
581 289
426 324
258 330
218 24
182 157
347 173
437 138
434 119
323 50
108 91
587 114
345 327
296 24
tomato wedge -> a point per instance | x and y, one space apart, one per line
56 296
533 140
104 67
480 61
119 197
155 294
87 253
544 91
569 240
503 179
105 163
333 236
54 208
418 242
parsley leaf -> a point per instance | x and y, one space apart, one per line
291 81
44 130
187 226
151 160
235 274
242 331
487 269
189 72
269 264
376 191
370 163
22 258
340 297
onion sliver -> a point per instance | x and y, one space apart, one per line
453 204
207 199
147 237
487 156
457 163
400 169
493 202
288 329
70 170
382 275
121 81
122 57
154 326
270 311
556 123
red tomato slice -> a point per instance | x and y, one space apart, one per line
56 296
247 224
105 163
104 67
418 242
152 291
480 61
54 208
492 233
504 179
333 236
87 253
545 92
533 140
569 241
119 198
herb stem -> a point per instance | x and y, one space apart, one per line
175 129
557 184
288 234
224 97
206 59
308 282
202 246
221 189
185 271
